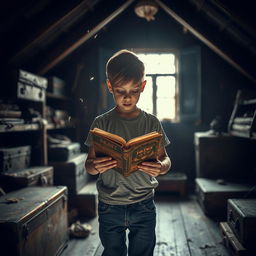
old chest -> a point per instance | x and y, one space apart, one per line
63 152
14 158
32 176
242 220
57 86
212 195
33 221
27 86
71 174
223 156
173 182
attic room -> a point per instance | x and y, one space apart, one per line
199 59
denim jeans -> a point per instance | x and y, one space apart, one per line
139 218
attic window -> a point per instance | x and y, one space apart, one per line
160 94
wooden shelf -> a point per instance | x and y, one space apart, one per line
242 122
56 97
240 134
249 102
54 126
19 128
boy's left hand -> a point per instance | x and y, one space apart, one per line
151 168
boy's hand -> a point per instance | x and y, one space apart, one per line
102 164
151 168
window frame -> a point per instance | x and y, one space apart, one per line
175 52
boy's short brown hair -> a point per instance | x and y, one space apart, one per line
124 67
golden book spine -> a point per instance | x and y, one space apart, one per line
126 163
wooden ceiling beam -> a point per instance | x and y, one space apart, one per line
84 38
207 42
59 25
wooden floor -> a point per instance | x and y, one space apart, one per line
182 230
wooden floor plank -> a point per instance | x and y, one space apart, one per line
86 246
171 237
99 250
202 242
165 239
214 230
182 248
182 230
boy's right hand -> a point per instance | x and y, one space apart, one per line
102 164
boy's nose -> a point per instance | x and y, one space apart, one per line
127 95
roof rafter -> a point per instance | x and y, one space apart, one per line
205 40
56 59
68 18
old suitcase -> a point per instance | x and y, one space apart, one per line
212 196
71 173
223 156
231 242
242 220
86 201
57 86
63 152
33 221
14 158
33 176
27 86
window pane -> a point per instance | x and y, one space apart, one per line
165 86
159 69
146 97
164 112
165 97
163 63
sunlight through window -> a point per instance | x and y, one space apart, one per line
159 96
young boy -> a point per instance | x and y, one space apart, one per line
126 202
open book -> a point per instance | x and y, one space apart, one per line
128 154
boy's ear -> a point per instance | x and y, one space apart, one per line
109 86
143 85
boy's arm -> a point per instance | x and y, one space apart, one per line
159 167
95 165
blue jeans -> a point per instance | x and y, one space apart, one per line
139 218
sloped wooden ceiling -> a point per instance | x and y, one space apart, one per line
45 30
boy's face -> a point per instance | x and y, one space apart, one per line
126 96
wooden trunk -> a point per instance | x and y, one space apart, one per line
86 201
33 176
173 182
14 158
213 196
36 224
56 86
63 152
71 173
242 220
27 86
230 241
223 156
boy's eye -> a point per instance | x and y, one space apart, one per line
120 92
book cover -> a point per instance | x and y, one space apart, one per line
128 154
